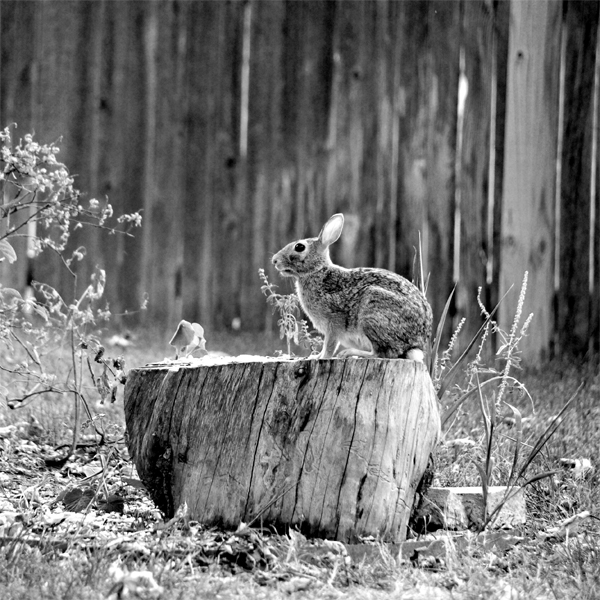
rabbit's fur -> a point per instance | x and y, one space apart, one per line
373 312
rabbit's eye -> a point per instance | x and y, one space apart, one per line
299 248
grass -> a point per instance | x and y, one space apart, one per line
192 562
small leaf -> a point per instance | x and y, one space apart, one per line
103 385
8 251
112 503
113 392
40 310
77 500
134 483
9 296
188 338
8 431
201 343
297 584
183 335
569 526
580 467
53 519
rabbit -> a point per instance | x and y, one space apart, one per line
372 312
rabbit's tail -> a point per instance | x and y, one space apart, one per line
416 354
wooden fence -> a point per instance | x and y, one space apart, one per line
238 126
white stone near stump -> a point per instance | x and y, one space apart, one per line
441 508
462 507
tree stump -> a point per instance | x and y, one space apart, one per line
335 448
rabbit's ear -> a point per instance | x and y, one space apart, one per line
332 230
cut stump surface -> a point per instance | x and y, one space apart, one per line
336 447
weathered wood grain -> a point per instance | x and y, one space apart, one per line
574 323
352 108
529 167
473 164
334 447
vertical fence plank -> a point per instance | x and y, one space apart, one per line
414 169
122 163
387 98
495 187
55 103
18 83
427 134
352 107
166 41
127 158
265 161
529 162
151 91
345 140
477 42
93 34
213 233
201 123
594 245
444 25
573 319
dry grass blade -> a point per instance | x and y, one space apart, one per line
447 380
548 433
484 489
518 440
540 476
538 446
438 332
449 412
489 421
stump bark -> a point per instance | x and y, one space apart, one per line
336 447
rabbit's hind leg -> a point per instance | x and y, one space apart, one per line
381 321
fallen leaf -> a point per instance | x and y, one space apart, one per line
112 503
7 431
76 499
134 483
8 251
566 527
580 467
188 338
35 429
461 443
427 592
508 592
10 297
7 518
52 519
140 584
296 584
